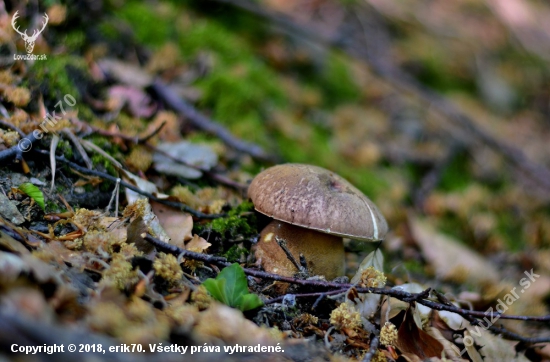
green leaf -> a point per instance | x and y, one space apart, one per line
236 284
216 288
34 193
231 288
250 301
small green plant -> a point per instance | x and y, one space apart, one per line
230 288
34 193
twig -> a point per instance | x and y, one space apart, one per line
282 243
144 140
338 288
15 128
104 175
161 245
76 142
153 134
342 288
204 123
16 151
374 342
133 139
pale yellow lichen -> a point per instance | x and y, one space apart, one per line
183 315
345 316
379 357
372 278
21 119
388 334
6 77
120 273
108 317
75 244
9 138
96 241
184 195
87 218
20 97
201 298
167 267
129 251
139 158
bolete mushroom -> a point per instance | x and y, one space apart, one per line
313 209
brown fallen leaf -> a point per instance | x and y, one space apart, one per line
177 224
451 260
413 340
197 244
489 348
9 243
220 322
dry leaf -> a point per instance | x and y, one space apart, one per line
493 348
193 154
139 103
126 73
197 244
220 322
411 339
450 259
177 224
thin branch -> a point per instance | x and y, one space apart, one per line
338 288
76 142
204 123
144 140
162 246
25 144
13 127
106 176
374 342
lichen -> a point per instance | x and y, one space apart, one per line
372 278
201 298
120 273
388 334
345 316
167 267
139 158
19 96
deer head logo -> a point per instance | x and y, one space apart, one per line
29 40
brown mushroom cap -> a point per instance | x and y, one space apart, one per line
315 198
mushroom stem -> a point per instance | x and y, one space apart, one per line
324 253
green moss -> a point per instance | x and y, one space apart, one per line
65 148
241 223
456 176
510 227
52 207
336 81
107 165
235 254
58 77
152 25
413 266
76 39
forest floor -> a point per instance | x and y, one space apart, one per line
128 142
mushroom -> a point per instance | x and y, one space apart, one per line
313 209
